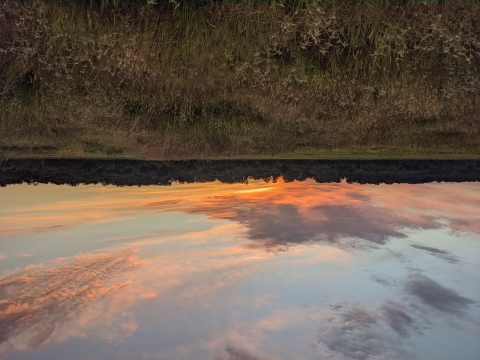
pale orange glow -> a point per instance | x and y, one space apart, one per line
225 201
103 204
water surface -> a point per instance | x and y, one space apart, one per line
256 270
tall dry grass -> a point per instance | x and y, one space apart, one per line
207 77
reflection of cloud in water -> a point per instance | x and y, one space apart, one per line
273 334
38 301
210 265
164 202
286 214
285 225
235 353
356 333
435 295
472 225
441 254
275 220
360 333
29 252
396 317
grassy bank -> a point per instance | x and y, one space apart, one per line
240 79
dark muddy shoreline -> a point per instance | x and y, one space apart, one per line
137 172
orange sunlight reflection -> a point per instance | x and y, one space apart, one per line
316 208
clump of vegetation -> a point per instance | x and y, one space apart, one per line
197 79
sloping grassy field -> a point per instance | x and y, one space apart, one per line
243 79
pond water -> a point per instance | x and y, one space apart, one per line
242 271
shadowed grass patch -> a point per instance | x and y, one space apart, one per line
211 78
